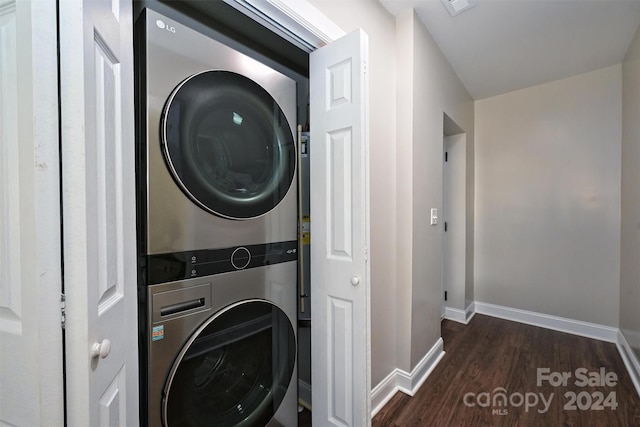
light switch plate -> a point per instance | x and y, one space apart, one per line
434 216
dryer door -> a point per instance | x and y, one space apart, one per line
228 144
234 370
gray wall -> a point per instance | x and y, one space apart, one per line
548 198
630 244
428 87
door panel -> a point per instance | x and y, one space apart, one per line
108 222
341 362
96 66
31 381
339 174
11 295
340 226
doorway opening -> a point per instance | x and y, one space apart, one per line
454 222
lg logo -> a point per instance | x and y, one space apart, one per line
164 26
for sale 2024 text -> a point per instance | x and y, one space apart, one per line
582 377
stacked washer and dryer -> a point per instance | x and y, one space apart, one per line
217 217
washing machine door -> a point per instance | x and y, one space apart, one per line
228 144
234 370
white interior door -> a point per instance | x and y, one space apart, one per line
98 198
340 331
31 390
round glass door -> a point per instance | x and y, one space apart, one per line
228 144
233 371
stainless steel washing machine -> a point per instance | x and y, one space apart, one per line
217 232
217 150
222 350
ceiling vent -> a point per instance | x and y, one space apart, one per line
456 7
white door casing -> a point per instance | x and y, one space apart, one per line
297 21
340 328
454 202
98 204
31 390
445 276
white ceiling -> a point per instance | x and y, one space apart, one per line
502 45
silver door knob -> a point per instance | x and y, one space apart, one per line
355 280
101 349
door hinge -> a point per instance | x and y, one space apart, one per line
445 226
446 156
445 295
63 312
364 66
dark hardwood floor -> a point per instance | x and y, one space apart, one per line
490 353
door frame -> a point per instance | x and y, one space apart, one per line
297 21
454 242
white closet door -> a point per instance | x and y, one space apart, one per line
98 199
340 331
31 390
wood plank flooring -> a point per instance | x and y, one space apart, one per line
490 353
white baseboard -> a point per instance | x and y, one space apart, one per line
455 314
383 392
632 337
408 383
470 311
304 394
562 324
630 360
460 316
